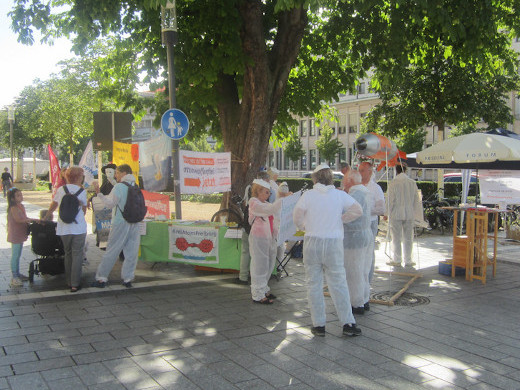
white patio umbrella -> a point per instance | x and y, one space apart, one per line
471 148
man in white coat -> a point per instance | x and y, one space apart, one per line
402 199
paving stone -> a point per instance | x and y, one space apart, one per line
67 384
42 365
31 381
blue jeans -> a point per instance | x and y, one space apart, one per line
16 253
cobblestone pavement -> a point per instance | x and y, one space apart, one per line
182 329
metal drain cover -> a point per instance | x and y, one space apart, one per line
406 299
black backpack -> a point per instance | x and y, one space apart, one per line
69 206
135 207
245 225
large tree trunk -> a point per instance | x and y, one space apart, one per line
247 122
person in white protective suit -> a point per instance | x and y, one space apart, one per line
403 198
358 244
321 212
245 256
377 207
262 240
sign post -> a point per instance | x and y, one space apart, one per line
175 124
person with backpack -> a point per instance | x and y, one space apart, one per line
127 203
71 201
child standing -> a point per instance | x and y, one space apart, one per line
17 223
262 240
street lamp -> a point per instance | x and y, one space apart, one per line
169 39
10 119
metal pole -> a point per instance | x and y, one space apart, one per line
170 39
11 147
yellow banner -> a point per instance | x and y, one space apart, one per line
127 154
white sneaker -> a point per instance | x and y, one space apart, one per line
393 263
408 265
16 282
23 278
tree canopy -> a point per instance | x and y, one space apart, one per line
245 67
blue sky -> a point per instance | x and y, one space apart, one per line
20 64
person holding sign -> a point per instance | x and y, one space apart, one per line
262 240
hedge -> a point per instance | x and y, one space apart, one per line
428 188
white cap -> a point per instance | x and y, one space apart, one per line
274 170
283 187
262 183
320 167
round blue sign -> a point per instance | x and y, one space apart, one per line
175 123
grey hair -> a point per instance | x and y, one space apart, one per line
323 176
355 176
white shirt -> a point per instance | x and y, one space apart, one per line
402 198
322 211
80 226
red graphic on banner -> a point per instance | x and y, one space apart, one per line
205 246
134 151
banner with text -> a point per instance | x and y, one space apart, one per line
499 186
127 154
155 156
157 204
204 173
194 244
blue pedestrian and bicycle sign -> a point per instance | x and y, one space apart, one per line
175 123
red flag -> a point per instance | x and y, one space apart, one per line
55 171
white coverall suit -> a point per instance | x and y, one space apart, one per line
358 244
321 213
402 199
262 244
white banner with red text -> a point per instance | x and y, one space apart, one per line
204 173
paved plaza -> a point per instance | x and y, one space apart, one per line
179 328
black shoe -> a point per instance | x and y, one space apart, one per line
127 284
240 281
98 284
366 306
318 331
358 310
351 330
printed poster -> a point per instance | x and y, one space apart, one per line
204 173
499 186
157 204
194 244
155 156
127 154
102 221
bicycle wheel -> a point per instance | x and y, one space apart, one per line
228 215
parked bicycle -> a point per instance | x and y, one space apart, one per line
438 219
234 212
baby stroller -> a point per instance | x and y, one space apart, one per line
45 243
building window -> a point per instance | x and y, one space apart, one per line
353 127
303 128
342 155
286 163
312 158
361 89
312 130
271 159
304 161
